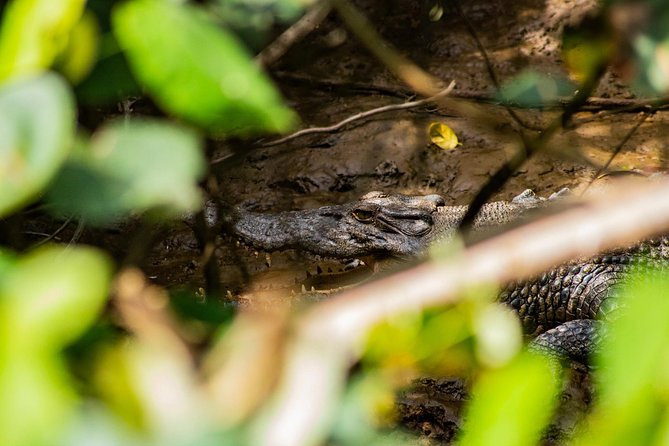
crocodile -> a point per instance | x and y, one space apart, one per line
559 309
378 225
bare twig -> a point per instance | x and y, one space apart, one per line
529 147
81 225
617 150
418 79
329 337
415 77
613 105
488 64
144 309
365 114
53 235
295 33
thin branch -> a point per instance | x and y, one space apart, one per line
617 150
296 32
365 114
53 235
614 105
81 225
489 67
530 146
418 79
330 335
415 77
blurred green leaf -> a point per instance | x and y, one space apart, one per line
34 33
533 90
37 399
642 36
367 405
434 341
96 426
155 391
511 405
254 19
587 47
79 56
633 365
47 298
110 81
499 336
651 50
37 119
52 295
200 72
132 166
210 311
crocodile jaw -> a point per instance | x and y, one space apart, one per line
376 225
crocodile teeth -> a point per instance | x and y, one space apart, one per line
313 288
304 289
228 294
256 253
268 260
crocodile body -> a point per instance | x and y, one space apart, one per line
559 308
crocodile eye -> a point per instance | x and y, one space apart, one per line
363 215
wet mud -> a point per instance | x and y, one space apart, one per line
330 76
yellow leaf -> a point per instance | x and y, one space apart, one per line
442 136
79 56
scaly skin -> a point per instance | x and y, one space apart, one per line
377 224
558 307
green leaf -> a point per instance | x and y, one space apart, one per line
37 121
533 90
644 40
34 33
587 47
47 298
78 58
633 365
37 401
109 82
51 295
253 20
133 166
651 50
511 405
201 72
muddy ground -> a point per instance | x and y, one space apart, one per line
330 76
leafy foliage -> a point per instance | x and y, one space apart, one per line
38 318
37 124
136 166
150 383
533 90
34 34
201 73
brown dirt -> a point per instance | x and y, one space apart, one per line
326 81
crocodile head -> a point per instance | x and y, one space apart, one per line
376 224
